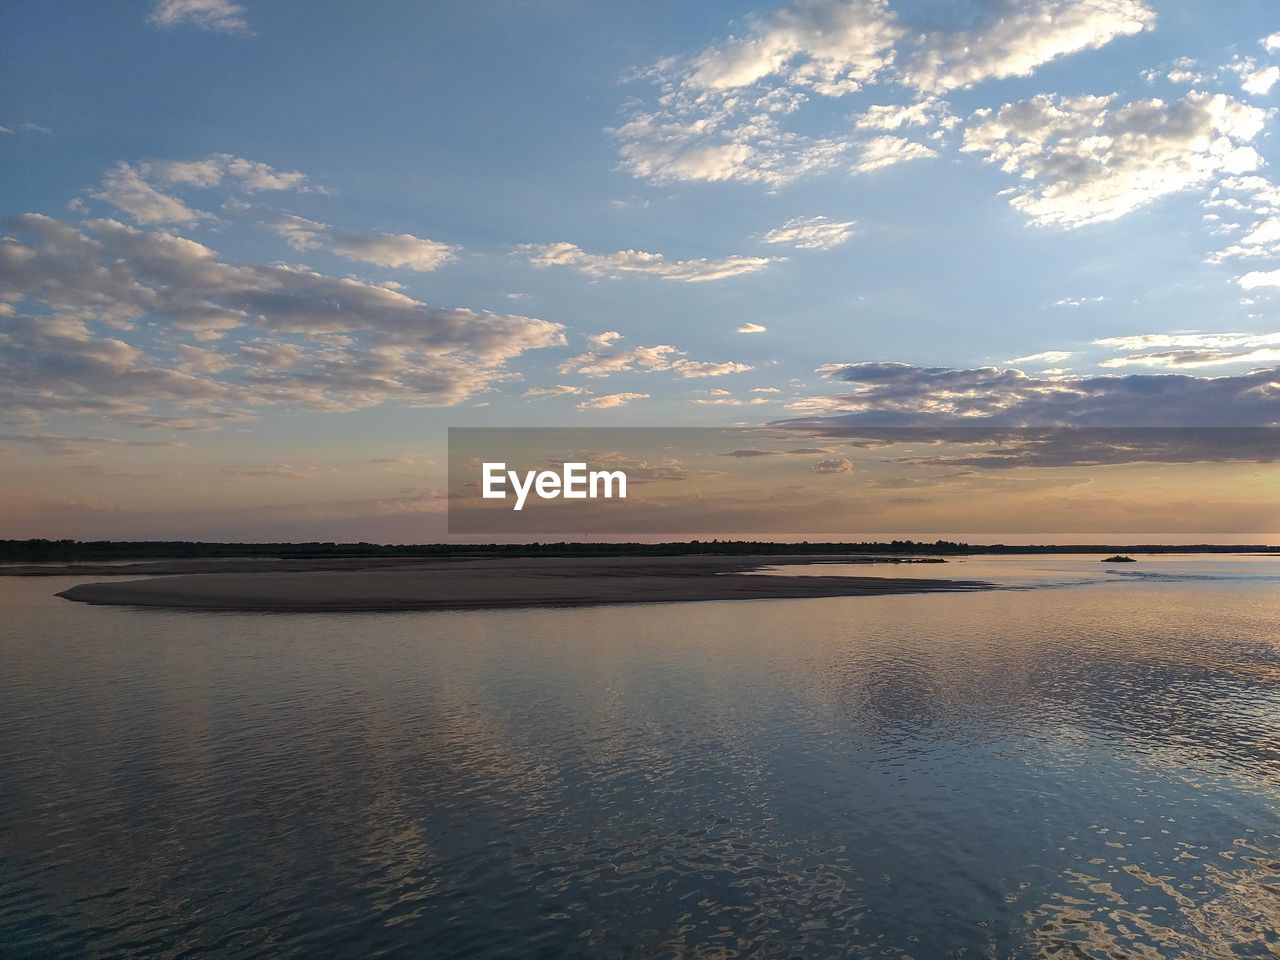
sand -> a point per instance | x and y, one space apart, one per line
487 583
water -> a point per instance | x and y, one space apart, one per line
1085 771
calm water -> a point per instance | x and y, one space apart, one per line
1089 770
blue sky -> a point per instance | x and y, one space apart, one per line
253 245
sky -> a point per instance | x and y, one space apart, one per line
256 257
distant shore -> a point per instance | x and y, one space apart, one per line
45 552
382 585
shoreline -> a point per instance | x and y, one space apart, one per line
491 584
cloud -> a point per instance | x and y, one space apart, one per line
602 341
830 47
543 255
765 390
125 189
887 151
275 471
811 233
717 115
304 339
132 188
299 232
902 394
662 357
1249 206
221 16
395 251
601 360
1256 279
750 328
1088 159
1182 72
1076 301
707 368
1033 33
1259 82
63 446
833 465
597 363
25 127
921 113
1191 350
721 114
690 142
1271 43
1048 356
220 169
559 390
611 400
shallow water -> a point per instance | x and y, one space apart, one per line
1063 772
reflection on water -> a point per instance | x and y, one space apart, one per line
1057 570
1088 772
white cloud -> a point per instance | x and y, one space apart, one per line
299 232
222 16
750 328
1048 356
1259 82
559 390
922 113
1249 206
124 188
601 341
1014 45
1271 43
830 47
611 400
1182 71
707 368
812 233
132 187
624 262
395 251
765 390
691 141
219 168
601 360
1260 278
721 114
598 363
717 115
887 151
1087 159
1076 301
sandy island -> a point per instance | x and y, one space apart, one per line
461 584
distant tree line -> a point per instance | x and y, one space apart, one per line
53 551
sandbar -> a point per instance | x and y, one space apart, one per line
461 584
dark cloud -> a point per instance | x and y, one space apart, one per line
1050 421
